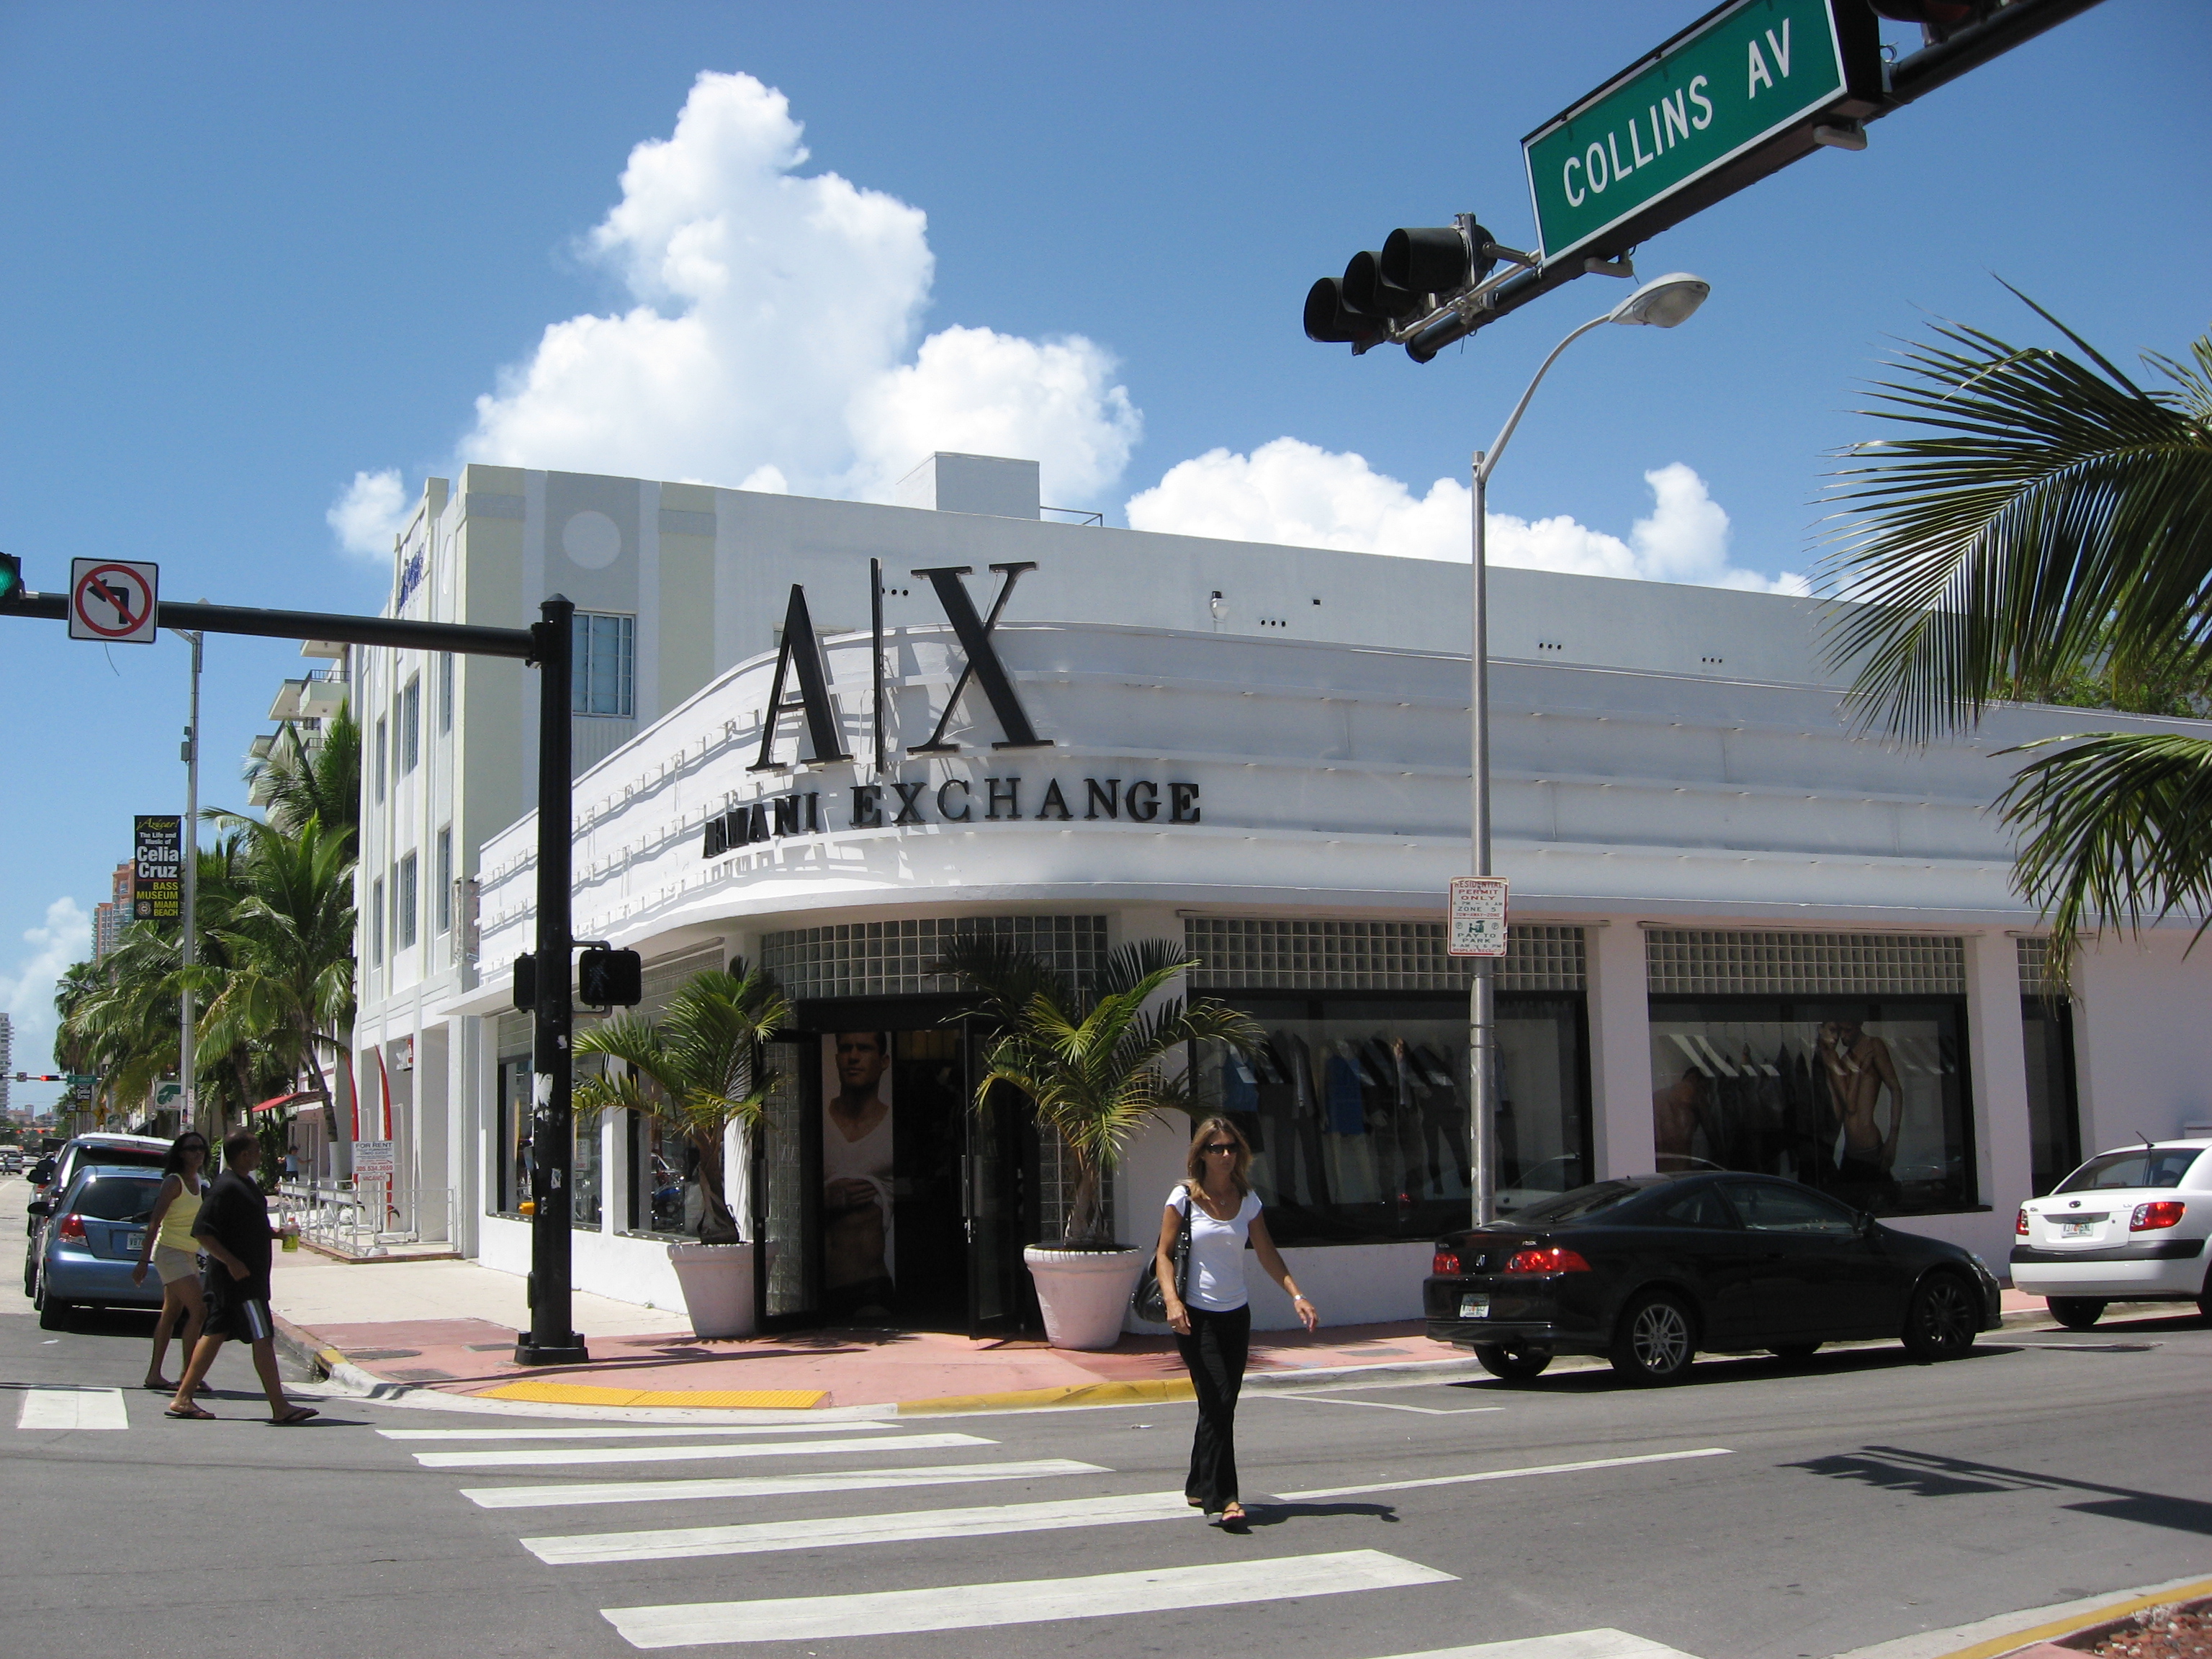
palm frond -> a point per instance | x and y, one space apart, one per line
2114 832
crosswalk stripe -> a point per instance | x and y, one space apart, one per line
767 1485
642 1431
72 1408
542 1457
1600 1643
679 1543
973 1607
1510 1474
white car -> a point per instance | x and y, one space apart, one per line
2127 1226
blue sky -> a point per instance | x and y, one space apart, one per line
256 251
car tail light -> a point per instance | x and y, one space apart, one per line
1445 1262
1556 1259
2162 1212
2019 1222
72 1229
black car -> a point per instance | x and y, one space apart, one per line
1649 1269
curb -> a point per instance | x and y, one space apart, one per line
2095 1621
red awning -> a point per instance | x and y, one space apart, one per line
280 1101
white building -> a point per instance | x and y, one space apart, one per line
1725 904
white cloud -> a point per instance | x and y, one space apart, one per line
771 339
1302 496
28 994
369 512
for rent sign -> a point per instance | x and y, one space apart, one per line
1749 76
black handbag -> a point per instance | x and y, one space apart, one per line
1148 1301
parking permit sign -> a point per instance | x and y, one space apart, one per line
1478 916
113 601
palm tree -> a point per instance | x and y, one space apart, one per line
2047 522
323 784
698 1070
1088 1057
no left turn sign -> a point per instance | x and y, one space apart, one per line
113 601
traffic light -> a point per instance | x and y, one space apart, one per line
526 981
609 979
1418 270
11 580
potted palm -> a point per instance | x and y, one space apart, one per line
1093 1061
699 1069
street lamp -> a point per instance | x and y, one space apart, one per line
1661 303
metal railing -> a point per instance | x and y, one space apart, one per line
364 1219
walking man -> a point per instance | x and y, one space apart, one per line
233 1228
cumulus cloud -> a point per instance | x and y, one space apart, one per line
28 994
1303 495
369 512
772 337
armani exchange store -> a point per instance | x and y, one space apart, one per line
1740 937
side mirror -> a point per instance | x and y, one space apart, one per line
39 1208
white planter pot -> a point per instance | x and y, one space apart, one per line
717 1281
1083 1293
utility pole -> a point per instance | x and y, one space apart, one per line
188 952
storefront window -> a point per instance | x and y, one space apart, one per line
1868 1100
1356 1111
583 1169
2054 1120
511 1139
664 1189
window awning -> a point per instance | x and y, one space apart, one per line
281 1102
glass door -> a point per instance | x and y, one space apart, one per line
993 1181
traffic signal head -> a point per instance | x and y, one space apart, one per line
609 979
1330 322
1439 259
11 579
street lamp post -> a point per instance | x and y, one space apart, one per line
188 952
1662 303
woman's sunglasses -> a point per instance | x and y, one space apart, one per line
1221 1146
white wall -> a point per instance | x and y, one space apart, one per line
2142 1043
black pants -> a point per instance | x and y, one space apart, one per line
1214 1353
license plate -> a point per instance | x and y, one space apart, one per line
2077 1228
128 1243
1474 1307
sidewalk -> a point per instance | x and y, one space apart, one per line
449 1327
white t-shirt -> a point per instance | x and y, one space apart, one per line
1216 1252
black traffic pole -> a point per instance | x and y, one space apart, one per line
545 645
550 1342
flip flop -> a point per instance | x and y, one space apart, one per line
1236 1523
297 1415
190 1410
159 1387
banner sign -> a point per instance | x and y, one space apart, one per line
157 877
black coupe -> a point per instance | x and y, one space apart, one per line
1649 1269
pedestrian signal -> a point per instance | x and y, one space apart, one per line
609 979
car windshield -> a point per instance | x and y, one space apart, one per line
2145 1166
116 1197
137 1157
1582 1202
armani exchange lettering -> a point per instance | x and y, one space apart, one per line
897 804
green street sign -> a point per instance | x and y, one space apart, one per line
1727 100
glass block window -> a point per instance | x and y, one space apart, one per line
893 959
604 671
2035 979
664 976
1700 961
1237 954
515 1033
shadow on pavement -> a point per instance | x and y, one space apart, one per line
1928 1474
1721 1369
1274 1515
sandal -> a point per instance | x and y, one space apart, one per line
297 1415
198 1412
157 1386
1233 1518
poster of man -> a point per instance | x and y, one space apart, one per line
857 1272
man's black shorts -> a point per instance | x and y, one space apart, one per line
234 1314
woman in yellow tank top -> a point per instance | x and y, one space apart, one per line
174 1252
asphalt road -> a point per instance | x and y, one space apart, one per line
1849 1501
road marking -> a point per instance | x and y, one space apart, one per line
642 1431
767 1485
1600 1643
73 1408
541 1458
974 1607
678 1543
1509 1474
1387 1405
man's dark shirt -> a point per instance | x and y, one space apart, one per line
236 1216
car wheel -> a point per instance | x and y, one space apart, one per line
53 1313
1794 1353
1940 1320
1655 1339
2076 1313
1514 1362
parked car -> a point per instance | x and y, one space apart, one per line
96 1226
2130 1225
134 1151
1650 1270
11 1162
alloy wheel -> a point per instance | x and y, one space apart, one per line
1943 1319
